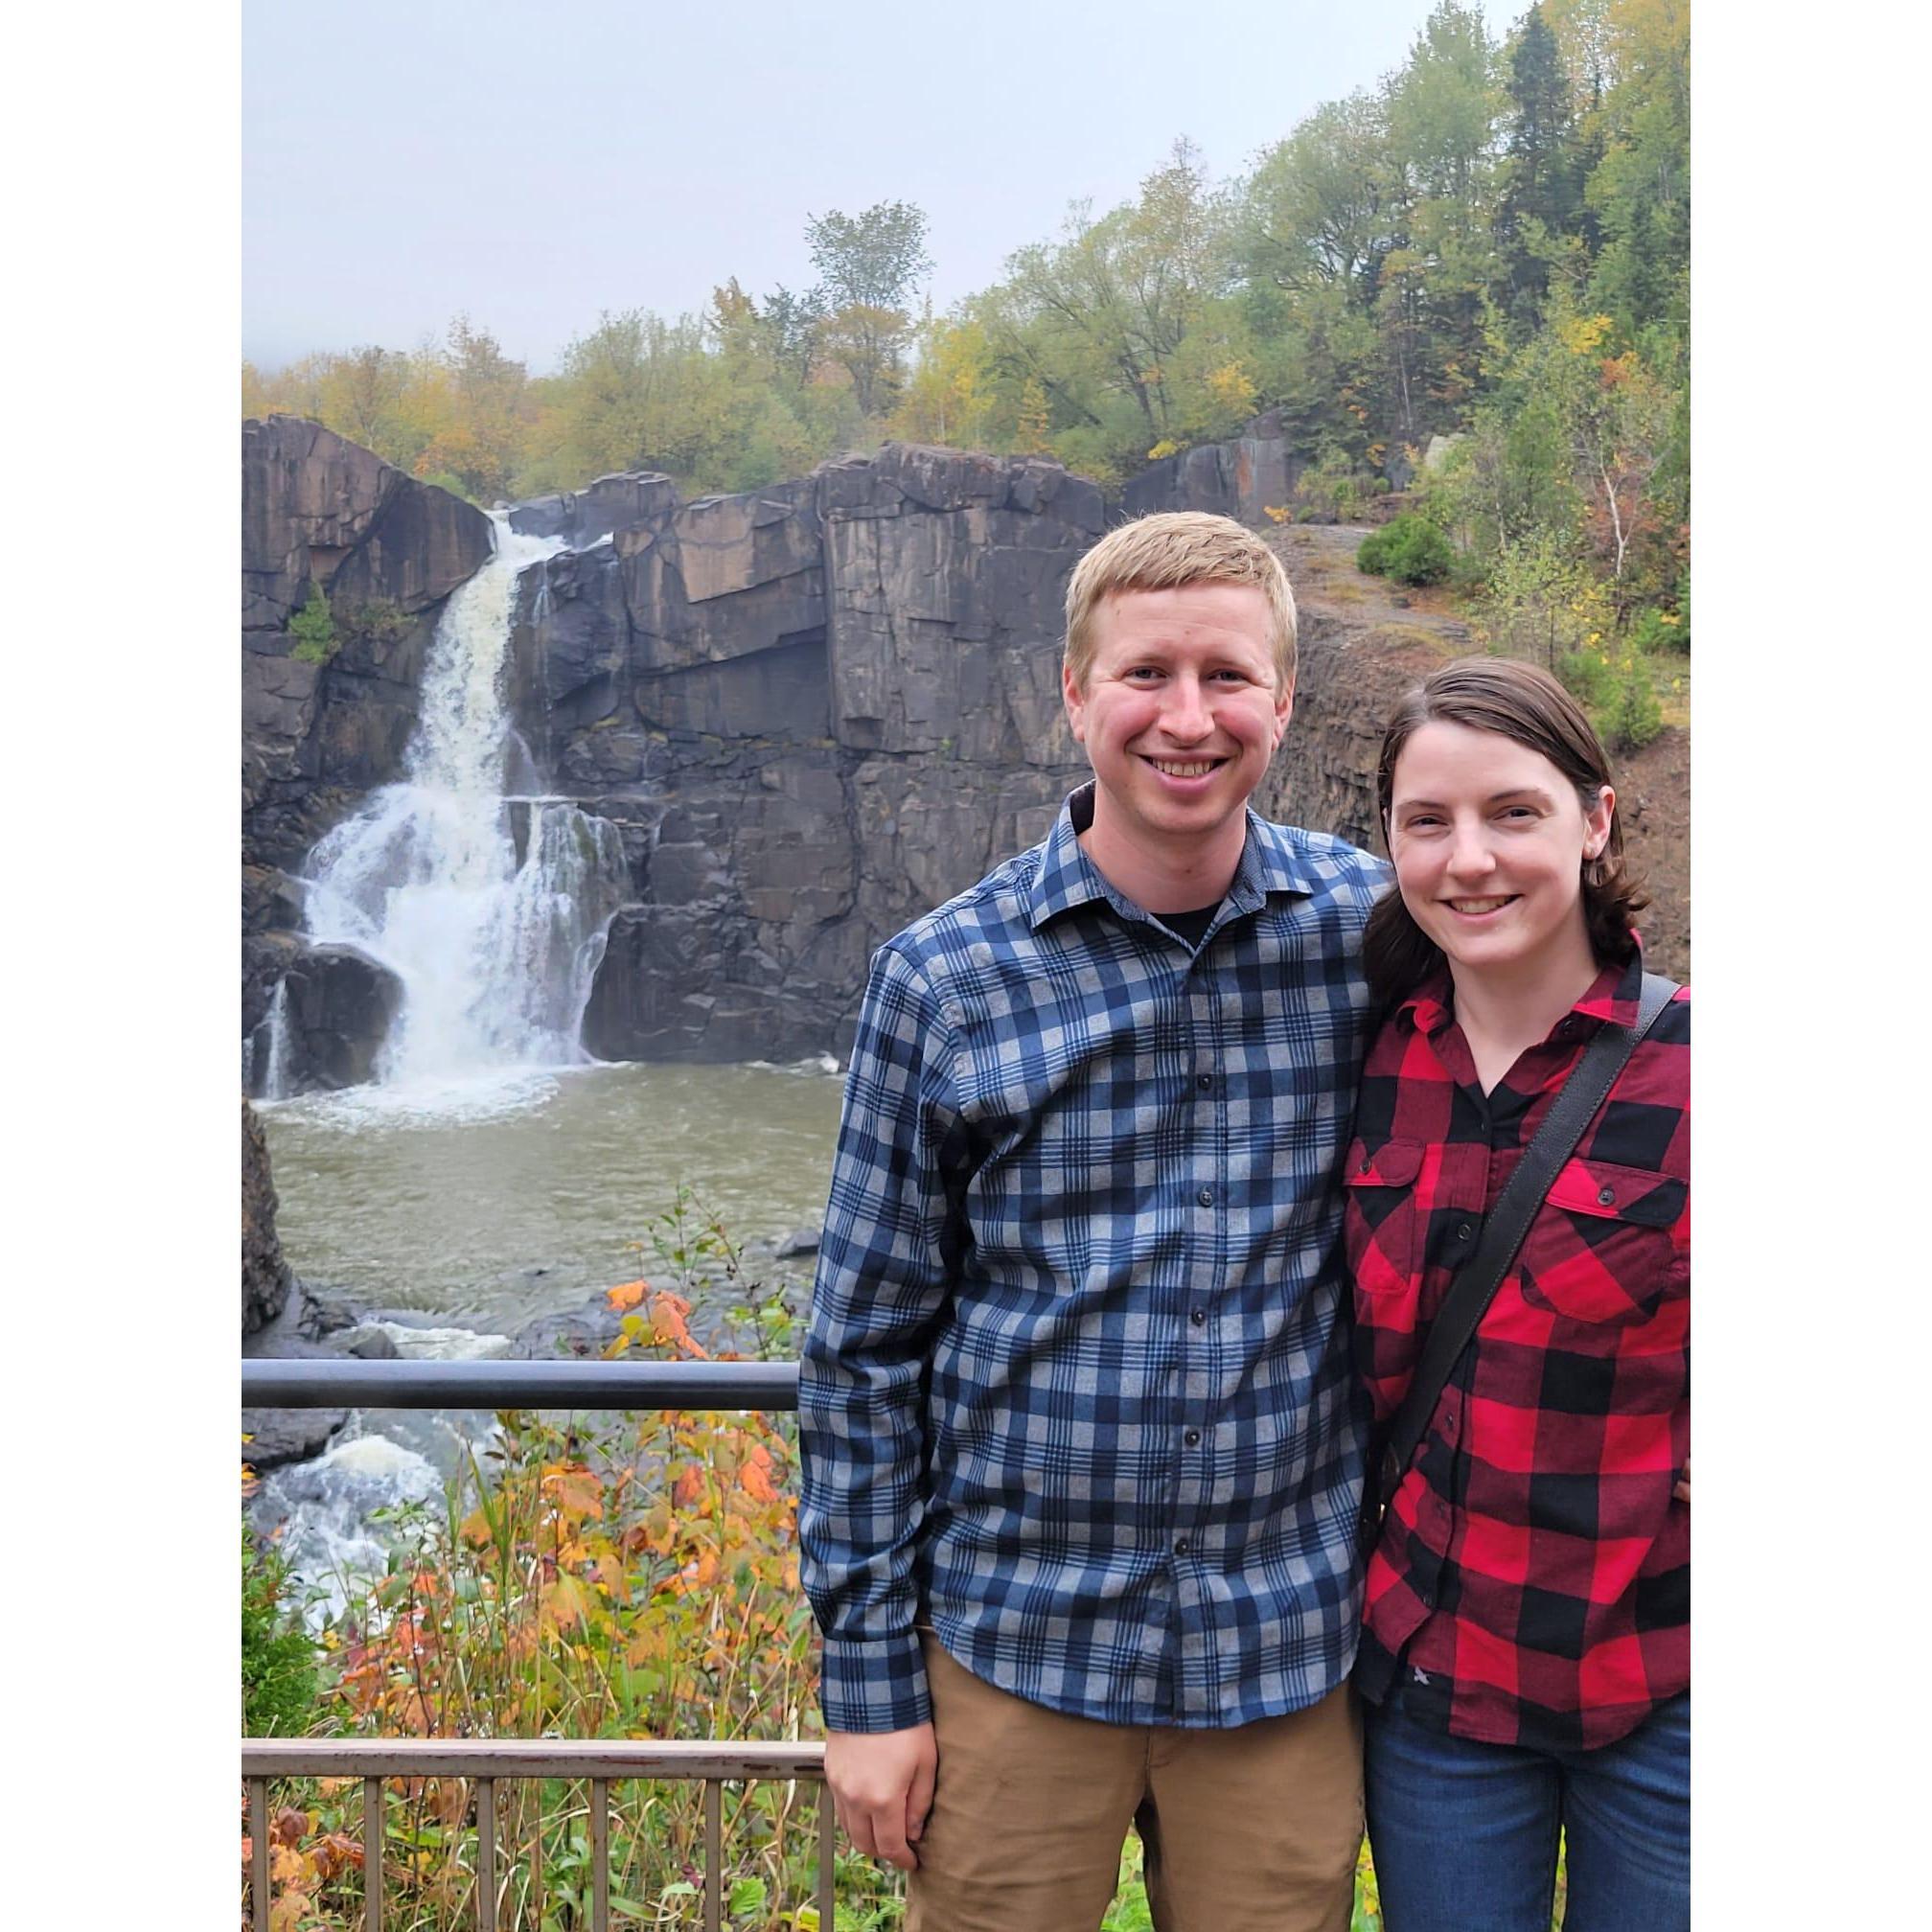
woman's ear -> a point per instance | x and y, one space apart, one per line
1597 822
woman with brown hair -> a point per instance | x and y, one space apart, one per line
1525 1655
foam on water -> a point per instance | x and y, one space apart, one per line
333 1547
430 1344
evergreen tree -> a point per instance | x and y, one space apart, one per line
1543 196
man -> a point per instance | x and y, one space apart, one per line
1083 1454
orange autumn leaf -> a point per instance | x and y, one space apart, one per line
670 1323
627 1295
689 1489
755 1476
575 1489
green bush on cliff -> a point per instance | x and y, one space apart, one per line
1409 549
313 629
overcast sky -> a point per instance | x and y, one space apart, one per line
405 160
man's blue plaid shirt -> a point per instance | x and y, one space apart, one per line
1077 1387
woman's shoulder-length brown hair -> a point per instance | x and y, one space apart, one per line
1519 702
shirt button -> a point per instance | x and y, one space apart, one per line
1197 1315
1206 1197
1204 1081
1192 1436
1464 1230
1179 1546
1606 1195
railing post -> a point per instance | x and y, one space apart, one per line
827 1845
600 1854
485 1854
372 1854
258 1839
714 1854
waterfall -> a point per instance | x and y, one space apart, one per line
489 906
275 1081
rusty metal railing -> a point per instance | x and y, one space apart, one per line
489 1761
308 1383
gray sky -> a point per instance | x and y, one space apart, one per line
409 160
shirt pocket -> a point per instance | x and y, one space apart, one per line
1603 1249
1380 1229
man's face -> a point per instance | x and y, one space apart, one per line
1181 710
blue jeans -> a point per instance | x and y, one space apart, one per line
1465 1834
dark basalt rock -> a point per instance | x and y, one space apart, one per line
340 1006
284 1435
266 1280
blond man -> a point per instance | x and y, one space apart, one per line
1082 1455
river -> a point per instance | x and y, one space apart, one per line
522 1198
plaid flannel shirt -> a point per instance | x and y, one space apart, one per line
1531 1582
1077 1389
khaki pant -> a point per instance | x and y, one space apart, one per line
1251 1830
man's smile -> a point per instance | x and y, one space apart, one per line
1185 768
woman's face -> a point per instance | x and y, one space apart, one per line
1490 841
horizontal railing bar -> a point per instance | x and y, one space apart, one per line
530 1758
311 1383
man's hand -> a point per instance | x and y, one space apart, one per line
882 1784
1682 1491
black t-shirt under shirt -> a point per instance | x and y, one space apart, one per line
1191 927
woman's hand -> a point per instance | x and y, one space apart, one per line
1682 1492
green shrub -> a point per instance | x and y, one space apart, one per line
1635 716
380 619
313 629
1652 631
1589 677
278 1660
1410 549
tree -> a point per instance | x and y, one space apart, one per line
869 263
1543 192
1315 211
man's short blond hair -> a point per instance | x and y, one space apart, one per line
1165 552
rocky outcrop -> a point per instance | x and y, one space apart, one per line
816 709
264 1275
337 1010
1241 479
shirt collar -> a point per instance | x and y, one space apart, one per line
1612 996
1270 861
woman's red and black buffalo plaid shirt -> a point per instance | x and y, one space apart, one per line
1532 1580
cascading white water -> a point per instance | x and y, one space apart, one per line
491 907
275 1080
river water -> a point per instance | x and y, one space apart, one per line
521 1198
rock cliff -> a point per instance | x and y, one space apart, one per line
264 1275
814 710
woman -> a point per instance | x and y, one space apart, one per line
1525 1656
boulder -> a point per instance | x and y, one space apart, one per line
340 1006
283 1435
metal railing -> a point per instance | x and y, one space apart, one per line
308 1383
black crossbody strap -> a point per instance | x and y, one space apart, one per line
1475 1287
